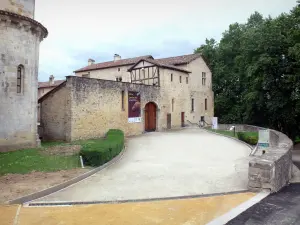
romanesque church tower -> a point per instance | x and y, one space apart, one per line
20 37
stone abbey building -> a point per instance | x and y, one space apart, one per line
20 37
135 95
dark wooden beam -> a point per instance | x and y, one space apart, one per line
146 79
148 75
144 67
158 77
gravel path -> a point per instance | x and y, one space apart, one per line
166 164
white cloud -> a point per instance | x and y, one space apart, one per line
99 28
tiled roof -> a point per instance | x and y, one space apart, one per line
160 64
177 60
47 84
52 91
121 62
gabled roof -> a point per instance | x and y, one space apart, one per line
47 84
155 62
52 91
177 60
121 62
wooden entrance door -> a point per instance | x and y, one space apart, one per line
169 121
150 117
182 119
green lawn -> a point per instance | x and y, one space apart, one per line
248 137
28 160
224 132
297 140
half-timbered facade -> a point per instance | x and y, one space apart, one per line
173 75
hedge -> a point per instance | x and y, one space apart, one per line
99 151
248 137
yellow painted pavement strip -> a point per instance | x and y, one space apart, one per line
170 212
7 214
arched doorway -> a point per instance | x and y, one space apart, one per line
150 116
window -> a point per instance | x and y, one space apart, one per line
203 78
192 105
123 96
119 79
171 76
86 75
173 104
119 69
187 80
205 104
180 79
20 77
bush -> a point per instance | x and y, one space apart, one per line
248 137
99 151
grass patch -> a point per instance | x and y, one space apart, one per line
95 152
248 137
47 144
28 160
224 132
297 140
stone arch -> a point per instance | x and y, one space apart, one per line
150 116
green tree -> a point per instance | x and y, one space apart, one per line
256 77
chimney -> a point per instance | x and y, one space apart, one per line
51 80
117 57
91 62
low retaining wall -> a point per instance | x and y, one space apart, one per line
273 170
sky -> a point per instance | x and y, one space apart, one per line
98 29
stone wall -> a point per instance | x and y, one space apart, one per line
19 45
87 108
108 73
272 170
56 115
44 90
21 7
175 91
97 106
200 91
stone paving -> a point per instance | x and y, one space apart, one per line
282 208
166 164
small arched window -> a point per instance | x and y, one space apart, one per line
20 77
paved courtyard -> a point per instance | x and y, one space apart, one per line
166 164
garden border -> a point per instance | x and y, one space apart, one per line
233 138
66 184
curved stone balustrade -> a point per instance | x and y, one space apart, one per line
272 170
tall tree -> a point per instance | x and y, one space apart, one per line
256 76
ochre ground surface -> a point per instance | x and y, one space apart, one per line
182 211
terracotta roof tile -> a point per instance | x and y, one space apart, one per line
160 64
47 84
177 60
121 62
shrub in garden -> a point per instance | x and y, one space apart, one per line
248 137
99 151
